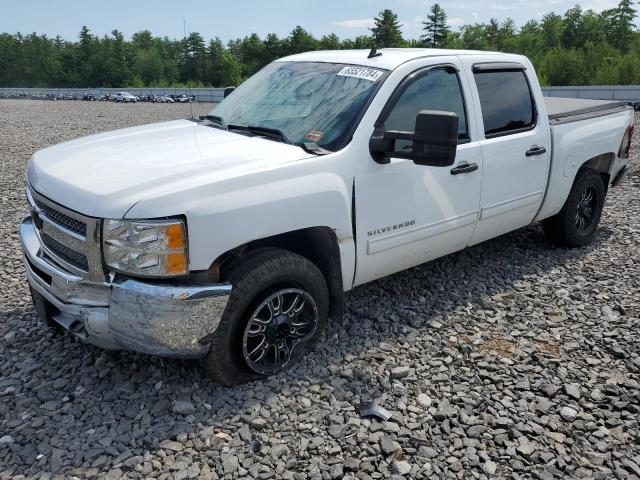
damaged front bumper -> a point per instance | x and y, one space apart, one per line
158 318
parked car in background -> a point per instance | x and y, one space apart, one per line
125 97
164 99
636 106
233 238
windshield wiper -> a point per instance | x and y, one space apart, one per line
272 133
216 120
313 148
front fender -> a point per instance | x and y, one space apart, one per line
224 215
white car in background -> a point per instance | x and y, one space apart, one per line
165 99
125 97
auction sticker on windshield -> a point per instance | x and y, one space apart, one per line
364 73
314 135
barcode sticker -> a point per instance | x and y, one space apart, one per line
364 73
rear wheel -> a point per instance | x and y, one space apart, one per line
575 225
278 307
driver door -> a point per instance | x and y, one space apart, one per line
407 214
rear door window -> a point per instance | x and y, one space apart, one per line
506 102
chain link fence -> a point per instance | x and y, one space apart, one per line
622 92
212 95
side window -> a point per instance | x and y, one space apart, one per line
438 89
506 101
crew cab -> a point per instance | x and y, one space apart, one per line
233 237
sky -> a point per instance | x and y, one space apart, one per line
234 19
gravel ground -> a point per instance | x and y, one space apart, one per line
513 359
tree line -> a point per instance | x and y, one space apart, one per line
577 48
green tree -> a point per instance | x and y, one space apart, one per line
147 62
528 41
492 32
579 47
9 58
68 52
360 42
300 41
193 65
251 54
593 28
435 27
38 60
573 35
273 48
453 40
329 42
88 60
551 27
474 37
505 33
620 25
231 70
216 51
386 30
562 66
116 65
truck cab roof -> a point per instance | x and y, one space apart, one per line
389 59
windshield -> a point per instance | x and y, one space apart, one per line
309 102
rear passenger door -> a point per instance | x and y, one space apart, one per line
515 148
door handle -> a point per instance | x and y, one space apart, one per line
464 167
535 151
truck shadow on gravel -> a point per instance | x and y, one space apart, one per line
88 406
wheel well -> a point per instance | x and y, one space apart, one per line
319 245
601 164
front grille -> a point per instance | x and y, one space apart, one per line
65 253
68 238
44 276
76 226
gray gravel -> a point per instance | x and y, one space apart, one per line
513 359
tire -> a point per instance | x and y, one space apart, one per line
576 224
266 281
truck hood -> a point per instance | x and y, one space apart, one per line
104 175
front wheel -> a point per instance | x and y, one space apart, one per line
575 225
277 310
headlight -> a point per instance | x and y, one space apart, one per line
155 248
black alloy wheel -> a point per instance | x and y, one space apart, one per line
282 322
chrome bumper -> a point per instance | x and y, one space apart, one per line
122 313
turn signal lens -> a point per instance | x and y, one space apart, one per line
175 236
176 263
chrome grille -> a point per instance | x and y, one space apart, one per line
68 238
76 259
61 219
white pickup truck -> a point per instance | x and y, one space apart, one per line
231 238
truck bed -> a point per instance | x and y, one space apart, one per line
566 110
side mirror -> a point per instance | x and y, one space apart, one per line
435 140
228 91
